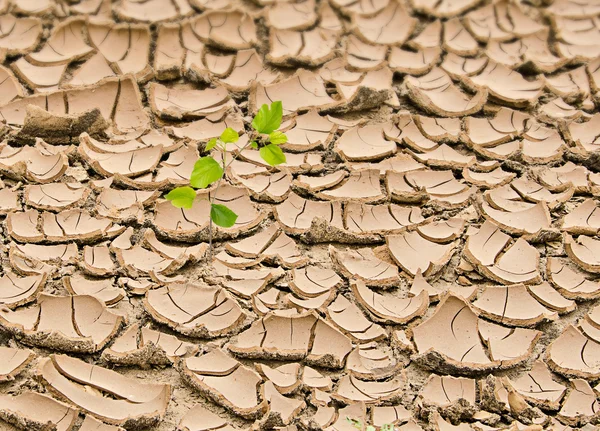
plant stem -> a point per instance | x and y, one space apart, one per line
212 200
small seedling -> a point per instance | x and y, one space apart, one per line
359 425
207 170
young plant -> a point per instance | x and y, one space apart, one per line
207 170
358 425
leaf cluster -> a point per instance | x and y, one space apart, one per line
207 170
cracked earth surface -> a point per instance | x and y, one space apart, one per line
427 257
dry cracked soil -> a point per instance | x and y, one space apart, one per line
428 256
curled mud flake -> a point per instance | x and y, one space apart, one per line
438 186
551 298
444 8
585 135
348 317
247 68
91 72
170 54
19 35
371 362
364 265
14 361
538 387
313 281
297 215
30 410
583 220
193 253
558 109
273 188
452 339
445 157
350 390
152 10
542 145
153 347
435 93
506 126
135 404
411 136
375 88
303 91
383 28
506 85
509 54
483 25
103 290
43 325
512 305
309 132
98 261
227 382
583 251
452 332
311 47
429 37
285 378
366 143
390 309
439 129
90 423
35 164
569 282
458 40
458 67
195 310
365 220
292 16
580 406
277 337
124 205
10 88
526 222
17 291
56 196
40 78
281 410
66 44
227 29
443 391
573 85
573 354
489 250
414 62
430 259
362 7
362 186
179 103
199 418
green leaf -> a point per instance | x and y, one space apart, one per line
211 144
229 136
277 137
206 171
254 145
222 216
272 154
182 197
370 428
268 120
355 423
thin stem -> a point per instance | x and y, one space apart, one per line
212 200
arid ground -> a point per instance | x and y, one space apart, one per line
427 257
